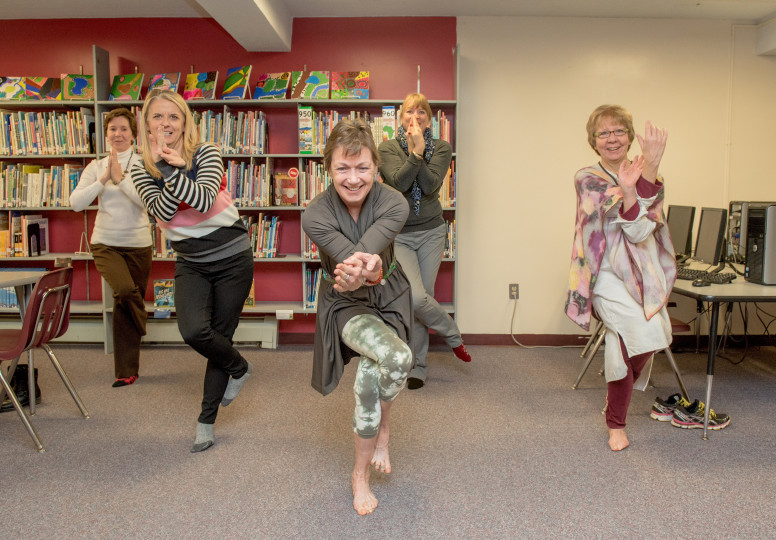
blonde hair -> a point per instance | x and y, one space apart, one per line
415 100
617 114
190 130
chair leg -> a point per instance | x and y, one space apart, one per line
31 381
590 356
678 375
65 379
592 339
9 376
20 412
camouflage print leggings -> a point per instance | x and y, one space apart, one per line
385 362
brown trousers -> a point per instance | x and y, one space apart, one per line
126 270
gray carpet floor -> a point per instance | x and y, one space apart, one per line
499 448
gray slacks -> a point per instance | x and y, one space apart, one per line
420 254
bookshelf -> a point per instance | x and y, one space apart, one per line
284 282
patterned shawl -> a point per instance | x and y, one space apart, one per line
632 263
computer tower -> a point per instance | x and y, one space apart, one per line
761 245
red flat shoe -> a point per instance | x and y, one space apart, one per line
461 352
126 381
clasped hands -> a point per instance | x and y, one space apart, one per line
113 172
160 150
357 269
415 141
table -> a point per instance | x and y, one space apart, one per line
739 290
22 281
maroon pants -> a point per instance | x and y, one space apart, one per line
618 394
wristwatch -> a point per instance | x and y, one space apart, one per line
417 155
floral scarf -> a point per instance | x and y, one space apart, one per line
401 136
632 263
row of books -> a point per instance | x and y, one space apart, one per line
23 235
32 186
451 242
312 279
46 132
69 87
243 133
315 126
263 231
447 191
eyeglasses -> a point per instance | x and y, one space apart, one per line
616 133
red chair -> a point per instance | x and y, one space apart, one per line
46 317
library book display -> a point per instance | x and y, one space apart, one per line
271 179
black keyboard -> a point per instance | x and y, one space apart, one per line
718 278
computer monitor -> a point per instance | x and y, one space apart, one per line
711 233
680 222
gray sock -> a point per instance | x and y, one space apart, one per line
205 437
234 385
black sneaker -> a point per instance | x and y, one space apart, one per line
663 411
691 417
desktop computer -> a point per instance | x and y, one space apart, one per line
738 213
761 244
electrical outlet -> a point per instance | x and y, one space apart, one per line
514 291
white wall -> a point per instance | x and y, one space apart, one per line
527 87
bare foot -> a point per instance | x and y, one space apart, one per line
618 440
381 460
364 501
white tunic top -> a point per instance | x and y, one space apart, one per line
622 315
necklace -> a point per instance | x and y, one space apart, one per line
614 178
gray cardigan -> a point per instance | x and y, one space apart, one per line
328 223
399 170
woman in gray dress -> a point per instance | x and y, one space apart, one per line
364 301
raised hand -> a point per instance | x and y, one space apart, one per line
653 144
630 172
415 142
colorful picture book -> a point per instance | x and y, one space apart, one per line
12 88
236 82
388 122
164 293
43 88
201 85
272 85
165 81
305 115
349 85
287 188
126 87
79 87
309 85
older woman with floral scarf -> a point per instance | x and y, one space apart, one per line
622 262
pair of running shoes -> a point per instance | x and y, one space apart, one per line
681 413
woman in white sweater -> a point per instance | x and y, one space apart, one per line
121 239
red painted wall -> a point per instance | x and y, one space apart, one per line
390 48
